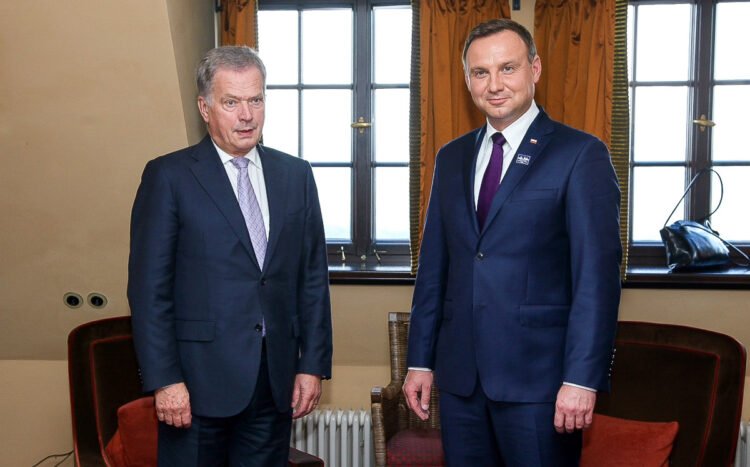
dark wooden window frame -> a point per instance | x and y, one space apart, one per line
392 258
646 266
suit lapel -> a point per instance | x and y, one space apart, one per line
275 175
526 155
469 168
212 176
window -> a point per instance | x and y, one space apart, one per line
338 96
687 71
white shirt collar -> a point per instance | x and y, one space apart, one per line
515 132
252 156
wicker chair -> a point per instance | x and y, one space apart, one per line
400 437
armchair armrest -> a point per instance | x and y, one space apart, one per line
385 417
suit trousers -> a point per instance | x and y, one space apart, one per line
257 436
477 431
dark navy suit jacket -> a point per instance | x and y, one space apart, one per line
531 300
196 290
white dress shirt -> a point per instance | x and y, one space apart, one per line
257 180
513 134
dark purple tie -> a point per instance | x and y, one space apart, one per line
491 179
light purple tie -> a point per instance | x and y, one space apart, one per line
491 179
250 210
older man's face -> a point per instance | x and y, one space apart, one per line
236 111
500 78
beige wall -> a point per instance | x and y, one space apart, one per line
35 393
525 15
91 90
89 95
189 44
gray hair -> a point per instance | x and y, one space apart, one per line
232 57
495 26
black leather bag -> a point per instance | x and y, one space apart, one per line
692 246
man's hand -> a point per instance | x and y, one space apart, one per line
417 387
574 409
307 391
173 405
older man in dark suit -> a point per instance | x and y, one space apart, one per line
228 281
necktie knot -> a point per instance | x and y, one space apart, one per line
498 139
240 162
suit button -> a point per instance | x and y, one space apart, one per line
480 255
258 327
263 281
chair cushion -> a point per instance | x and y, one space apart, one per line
136 440
419 446
618 442
115 452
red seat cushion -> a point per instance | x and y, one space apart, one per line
136 441
115 452
617 442
415 447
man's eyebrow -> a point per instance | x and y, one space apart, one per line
238 98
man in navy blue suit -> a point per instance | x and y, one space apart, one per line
517 292
228 281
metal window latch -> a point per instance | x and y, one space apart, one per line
376 253
361 124
343 255
704 122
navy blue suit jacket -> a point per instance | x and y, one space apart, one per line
197 293
531 300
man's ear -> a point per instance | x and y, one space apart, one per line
536 68
203 108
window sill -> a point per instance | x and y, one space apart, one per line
638 277
370 274
661 278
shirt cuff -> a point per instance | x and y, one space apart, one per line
417 368
577 386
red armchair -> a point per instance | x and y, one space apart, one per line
103 375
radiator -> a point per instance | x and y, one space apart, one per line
342 438
742 457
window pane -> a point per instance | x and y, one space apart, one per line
335 194
631 21
391 125
280 130
655 192
326 120
392 44
732 123
277 45
663 42
327 46
732 37
392 203
660 123
732 220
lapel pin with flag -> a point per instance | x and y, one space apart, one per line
532 141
